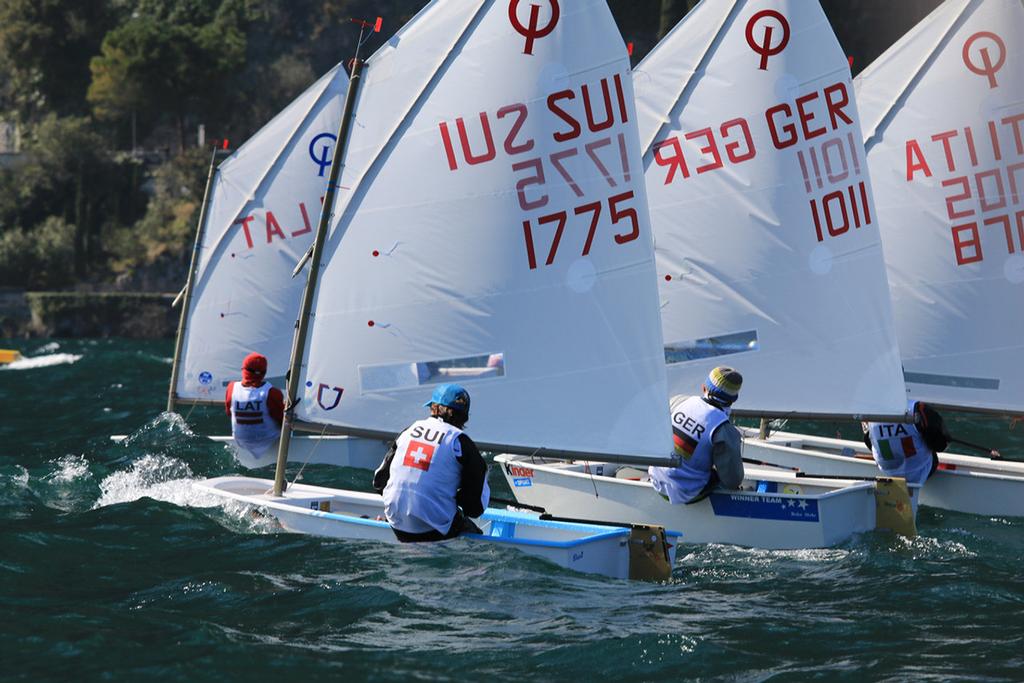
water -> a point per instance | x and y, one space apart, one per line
113 568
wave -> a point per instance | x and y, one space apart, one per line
159 477
42 361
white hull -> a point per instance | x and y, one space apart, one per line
337 513
791 513
343 451
962 483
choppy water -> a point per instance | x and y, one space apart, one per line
113 568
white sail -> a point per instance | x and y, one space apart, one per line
489 232
769 256
264 205
944 120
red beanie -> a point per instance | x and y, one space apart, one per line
254 367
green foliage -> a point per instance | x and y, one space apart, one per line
168 227
45 47
42 257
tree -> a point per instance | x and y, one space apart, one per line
148 66
45 46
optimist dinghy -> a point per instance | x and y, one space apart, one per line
256 222
613 551
775 510
768 260
494 234
943 119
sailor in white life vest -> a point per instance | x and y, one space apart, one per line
708 444
908 450
433 478
256 408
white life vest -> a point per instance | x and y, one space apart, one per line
900 449
424 477
694 421
251 425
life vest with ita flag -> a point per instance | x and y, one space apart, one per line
252 427
900 450
424 477
694 420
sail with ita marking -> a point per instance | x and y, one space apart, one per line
264 204
944 128
768 250
492 230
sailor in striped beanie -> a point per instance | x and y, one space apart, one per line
722 386
707 444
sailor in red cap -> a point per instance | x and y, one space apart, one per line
256 409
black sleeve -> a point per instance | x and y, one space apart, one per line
474 474
933 429
383 473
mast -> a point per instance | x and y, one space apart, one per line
189 281
302 323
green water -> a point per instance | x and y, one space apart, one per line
113 568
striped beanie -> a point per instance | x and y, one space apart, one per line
723 384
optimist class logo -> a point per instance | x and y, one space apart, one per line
986 67
765 48
533 31
323 158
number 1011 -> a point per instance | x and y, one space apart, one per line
836 211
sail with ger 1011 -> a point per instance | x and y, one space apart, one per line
264 204
768 250
943 110
492 230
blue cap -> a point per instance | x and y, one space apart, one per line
451 395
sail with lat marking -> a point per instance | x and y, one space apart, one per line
492 230
944 122
769 256
265 201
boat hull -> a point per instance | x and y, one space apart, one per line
337 513
789 513
963 483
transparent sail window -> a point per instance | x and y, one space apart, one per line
407 375
951 381
711 347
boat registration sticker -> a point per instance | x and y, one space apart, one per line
522 481
764 507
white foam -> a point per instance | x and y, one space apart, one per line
42 361
154 476
70 468
46 348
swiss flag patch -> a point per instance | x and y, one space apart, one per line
418 455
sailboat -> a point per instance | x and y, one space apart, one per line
255 224
943 123
483 227
769 260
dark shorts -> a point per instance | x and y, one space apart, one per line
713 481
461 524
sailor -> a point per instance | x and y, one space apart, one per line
908 450
256 408
707 443
433 478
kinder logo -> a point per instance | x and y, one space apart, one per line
978 58
517 471
533 31
770 20
418 455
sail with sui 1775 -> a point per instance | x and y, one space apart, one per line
492 226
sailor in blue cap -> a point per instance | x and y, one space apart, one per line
433 477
